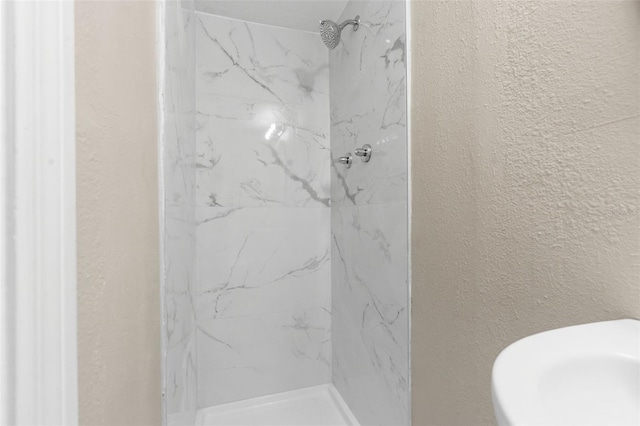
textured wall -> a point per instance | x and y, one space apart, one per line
369 271
526 184
118 297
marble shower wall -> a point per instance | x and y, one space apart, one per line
178 239
370 288
262 210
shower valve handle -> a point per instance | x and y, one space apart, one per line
346 160
364 152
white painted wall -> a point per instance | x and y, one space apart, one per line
526 184
38 358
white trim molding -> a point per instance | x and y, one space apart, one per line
38 340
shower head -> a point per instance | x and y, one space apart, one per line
330 31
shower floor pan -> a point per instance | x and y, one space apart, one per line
315 406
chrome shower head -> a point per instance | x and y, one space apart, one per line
330 31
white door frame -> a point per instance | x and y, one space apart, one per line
38 344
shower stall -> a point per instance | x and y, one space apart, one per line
285 213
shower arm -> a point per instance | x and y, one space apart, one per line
354 22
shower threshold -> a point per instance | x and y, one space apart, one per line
315 406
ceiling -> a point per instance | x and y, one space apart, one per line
297 14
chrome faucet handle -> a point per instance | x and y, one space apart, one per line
346 160
364 152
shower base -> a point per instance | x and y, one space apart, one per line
315 406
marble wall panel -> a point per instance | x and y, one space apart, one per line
261 62
263 217
254 355
268 288
239 167
368 104
369 224
370 312
262 260
178 232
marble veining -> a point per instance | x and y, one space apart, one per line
263 247
260 62
368 104
283 269
238 167
254 355
261 260
369 310
370 288
178 238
